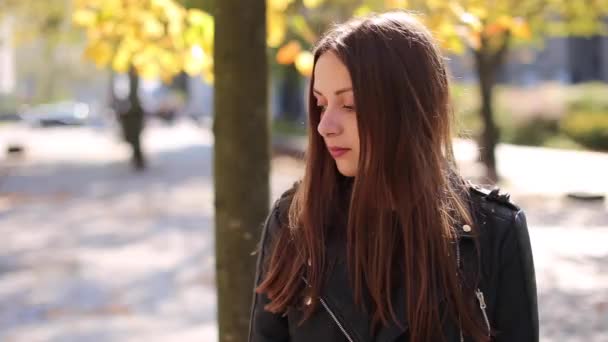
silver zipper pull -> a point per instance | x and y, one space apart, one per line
482 301
482 306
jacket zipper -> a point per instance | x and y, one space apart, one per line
333 316
482 306
458 269
478 294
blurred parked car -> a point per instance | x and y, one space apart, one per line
57 114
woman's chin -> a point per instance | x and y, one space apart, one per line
346 170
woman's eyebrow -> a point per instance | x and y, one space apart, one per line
337 92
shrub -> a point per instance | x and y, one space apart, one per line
533 132
588 97
589 129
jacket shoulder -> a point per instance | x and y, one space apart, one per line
493 201
282 204
505 243
279 214
274 221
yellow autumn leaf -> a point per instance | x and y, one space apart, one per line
132 44
82 3
84 17
118 29
166 77
362 11
152 28
167 60
445 29
456 8
299 25
175 28
192 66
313 3
191 36
140 59
197 17
391 4
164 4
133 15
304 63
278 5
493 29
452 44
472 20
435 4
208 28
151 51
107 28
288 53
100 52
521 29
276 27
196 61
176 13
479 12
122 60
111 5
149 70
93 34
112 9
159 37
208 76
505 21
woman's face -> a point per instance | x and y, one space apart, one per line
338 122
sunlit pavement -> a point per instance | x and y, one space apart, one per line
91 251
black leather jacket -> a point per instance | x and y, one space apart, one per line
505 288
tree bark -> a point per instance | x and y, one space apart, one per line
489 134
487 64
241 156
132 122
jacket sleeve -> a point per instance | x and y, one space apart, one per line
517 309
265 326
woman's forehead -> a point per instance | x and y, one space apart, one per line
331 76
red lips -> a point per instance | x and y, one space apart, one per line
337 151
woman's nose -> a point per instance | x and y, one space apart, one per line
329 124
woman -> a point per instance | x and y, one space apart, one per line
382 240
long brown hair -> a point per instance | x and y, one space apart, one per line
402 205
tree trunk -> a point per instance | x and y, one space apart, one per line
487 63
241 156
490 134
132 122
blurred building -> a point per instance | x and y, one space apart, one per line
588 59
566 60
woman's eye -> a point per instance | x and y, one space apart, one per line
322 108
349 108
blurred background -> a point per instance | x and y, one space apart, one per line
107 149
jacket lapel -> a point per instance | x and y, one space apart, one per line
339 296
